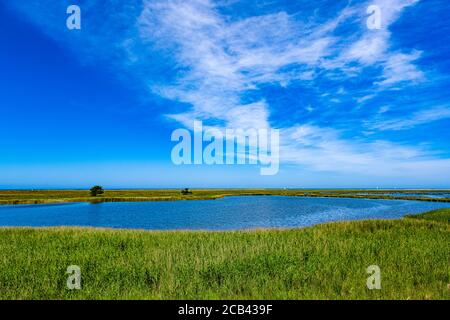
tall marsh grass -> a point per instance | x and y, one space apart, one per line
327 261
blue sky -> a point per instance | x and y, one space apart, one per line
356 107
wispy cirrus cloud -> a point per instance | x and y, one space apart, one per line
408 122
373 47
221 61
324 149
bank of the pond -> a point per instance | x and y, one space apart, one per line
326 261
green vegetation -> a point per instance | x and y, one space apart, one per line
327 261
59 196
442 215
96 190
186 191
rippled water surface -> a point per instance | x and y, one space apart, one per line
223 214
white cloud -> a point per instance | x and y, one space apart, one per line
374 47
399 68
219 60
365 98
417 118
369 49
383 109
324 149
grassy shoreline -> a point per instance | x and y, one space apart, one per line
13 197
326 261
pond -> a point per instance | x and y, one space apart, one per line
229 213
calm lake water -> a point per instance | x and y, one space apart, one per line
224 214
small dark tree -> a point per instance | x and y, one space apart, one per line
96 190
185 191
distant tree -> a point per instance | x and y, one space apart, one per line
96 190
185 191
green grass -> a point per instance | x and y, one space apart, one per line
327 261
442 215
58 196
